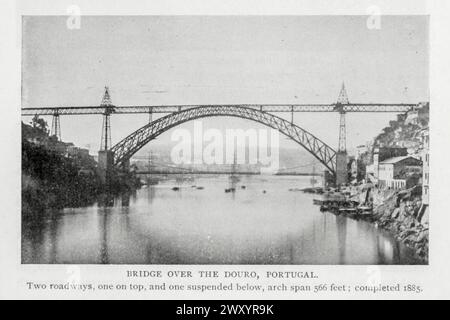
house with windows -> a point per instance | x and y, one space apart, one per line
424 212
426 167
399 172
383 153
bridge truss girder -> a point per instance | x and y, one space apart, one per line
351 107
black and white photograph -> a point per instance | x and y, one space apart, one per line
225 140
224 158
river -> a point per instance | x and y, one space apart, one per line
264 223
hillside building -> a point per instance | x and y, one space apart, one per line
426 167
383 153
399 172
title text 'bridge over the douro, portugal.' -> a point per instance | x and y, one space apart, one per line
116 156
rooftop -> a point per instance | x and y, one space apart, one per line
396 160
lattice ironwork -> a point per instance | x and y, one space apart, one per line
378 107
56 126
108 109
105 143
342 133
135 141
343 97
106 100
284 108
341 101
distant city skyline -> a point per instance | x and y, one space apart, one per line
219 60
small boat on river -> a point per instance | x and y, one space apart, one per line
349 211
365 211
330 197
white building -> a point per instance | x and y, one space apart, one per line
426 168
394 172
384 153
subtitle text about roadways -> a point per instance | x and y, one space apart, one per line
294 283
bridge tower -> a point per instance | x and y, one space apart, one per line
106 130
341 155
105 155
56 125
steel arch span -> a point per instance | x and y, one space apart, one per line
125 149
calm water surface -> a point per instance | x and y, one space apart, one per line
157 225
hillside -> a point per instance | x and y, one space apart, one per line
405 131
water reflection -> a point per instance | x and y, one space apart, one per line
125 201
205 225
341 225
151 194
104 258
106 200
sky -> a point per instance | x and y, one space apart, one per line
156 60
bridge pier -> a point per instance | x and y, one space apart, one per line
341 168
328 179
105 165
126 165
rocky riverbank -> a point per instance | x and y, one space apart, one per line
402 214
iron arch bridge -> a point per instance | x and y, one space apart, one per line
126 148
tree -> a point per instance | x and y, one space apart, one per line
39 124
